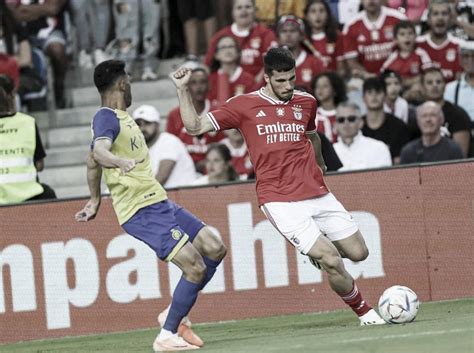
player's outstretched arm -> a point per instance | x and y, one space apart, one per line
194 124
94 175
107 159
316 141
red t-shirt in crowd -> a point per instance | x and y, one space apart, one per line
196 145
325 123
371 42
275 133
253 45
410 66
331 53
239 83
307 67
240 158
446 55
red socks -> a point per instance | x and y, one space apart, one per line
355 301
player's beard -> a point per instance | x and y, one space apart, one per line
280 97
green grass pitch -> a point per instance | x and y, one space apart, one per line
441 327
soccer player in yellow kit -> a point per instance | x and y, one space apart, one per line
143 210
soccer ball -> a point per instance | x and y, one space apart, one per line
398 305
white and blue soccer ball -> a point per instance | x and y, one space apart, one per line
398 305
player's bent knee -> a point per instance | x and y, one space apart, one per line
359 255
195 271
331 262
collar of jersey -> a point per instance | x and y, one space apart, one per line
262 94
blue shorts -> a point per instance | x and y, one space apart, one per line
165 227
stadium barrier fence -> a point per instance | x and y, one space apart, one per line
63 278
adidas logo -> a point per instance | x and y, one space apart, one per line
260 114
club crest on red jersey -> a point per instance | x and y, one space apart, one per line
450 55
297 111
280 112
255 42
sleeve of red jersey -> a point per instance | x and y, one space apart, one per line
349 43
269 41
172 123
339 49
227 116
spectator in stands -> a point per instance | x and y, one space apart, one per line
380 125
325 39
442 48
268 11
92 21
461 91
238 150
413 9
45 26
254 39
407 60
463 27
394 104
290 30
21 152
219 166
16 58
432 146
131 20
196 145
353 149
368 38
457 124
191 12
329 88
227 78
170 162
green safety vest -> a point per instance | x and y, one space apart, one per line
17 169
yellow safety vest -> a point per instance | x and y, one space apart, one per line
17 169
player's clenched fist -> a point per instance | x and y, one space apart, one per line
181 77
126 165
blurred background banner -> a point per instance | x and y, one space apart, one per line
63 278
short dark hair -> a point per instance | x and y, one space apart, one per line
337 83
107 73
390 73
278 59
374 84
431 69
403 25
7 84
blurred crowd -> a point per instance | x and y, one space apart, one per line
394 79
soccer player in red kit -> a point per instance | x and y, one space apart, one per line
278 124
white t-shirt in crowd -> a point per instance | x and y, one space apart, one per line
400 110
170 147
363 153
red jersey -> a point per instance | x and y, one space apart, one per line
240 158
307 67
410 66
196 146
371 42
325 123
275 132
239 83
331 53
445 55
253 45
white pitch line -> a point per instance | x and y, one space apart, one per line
428 333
